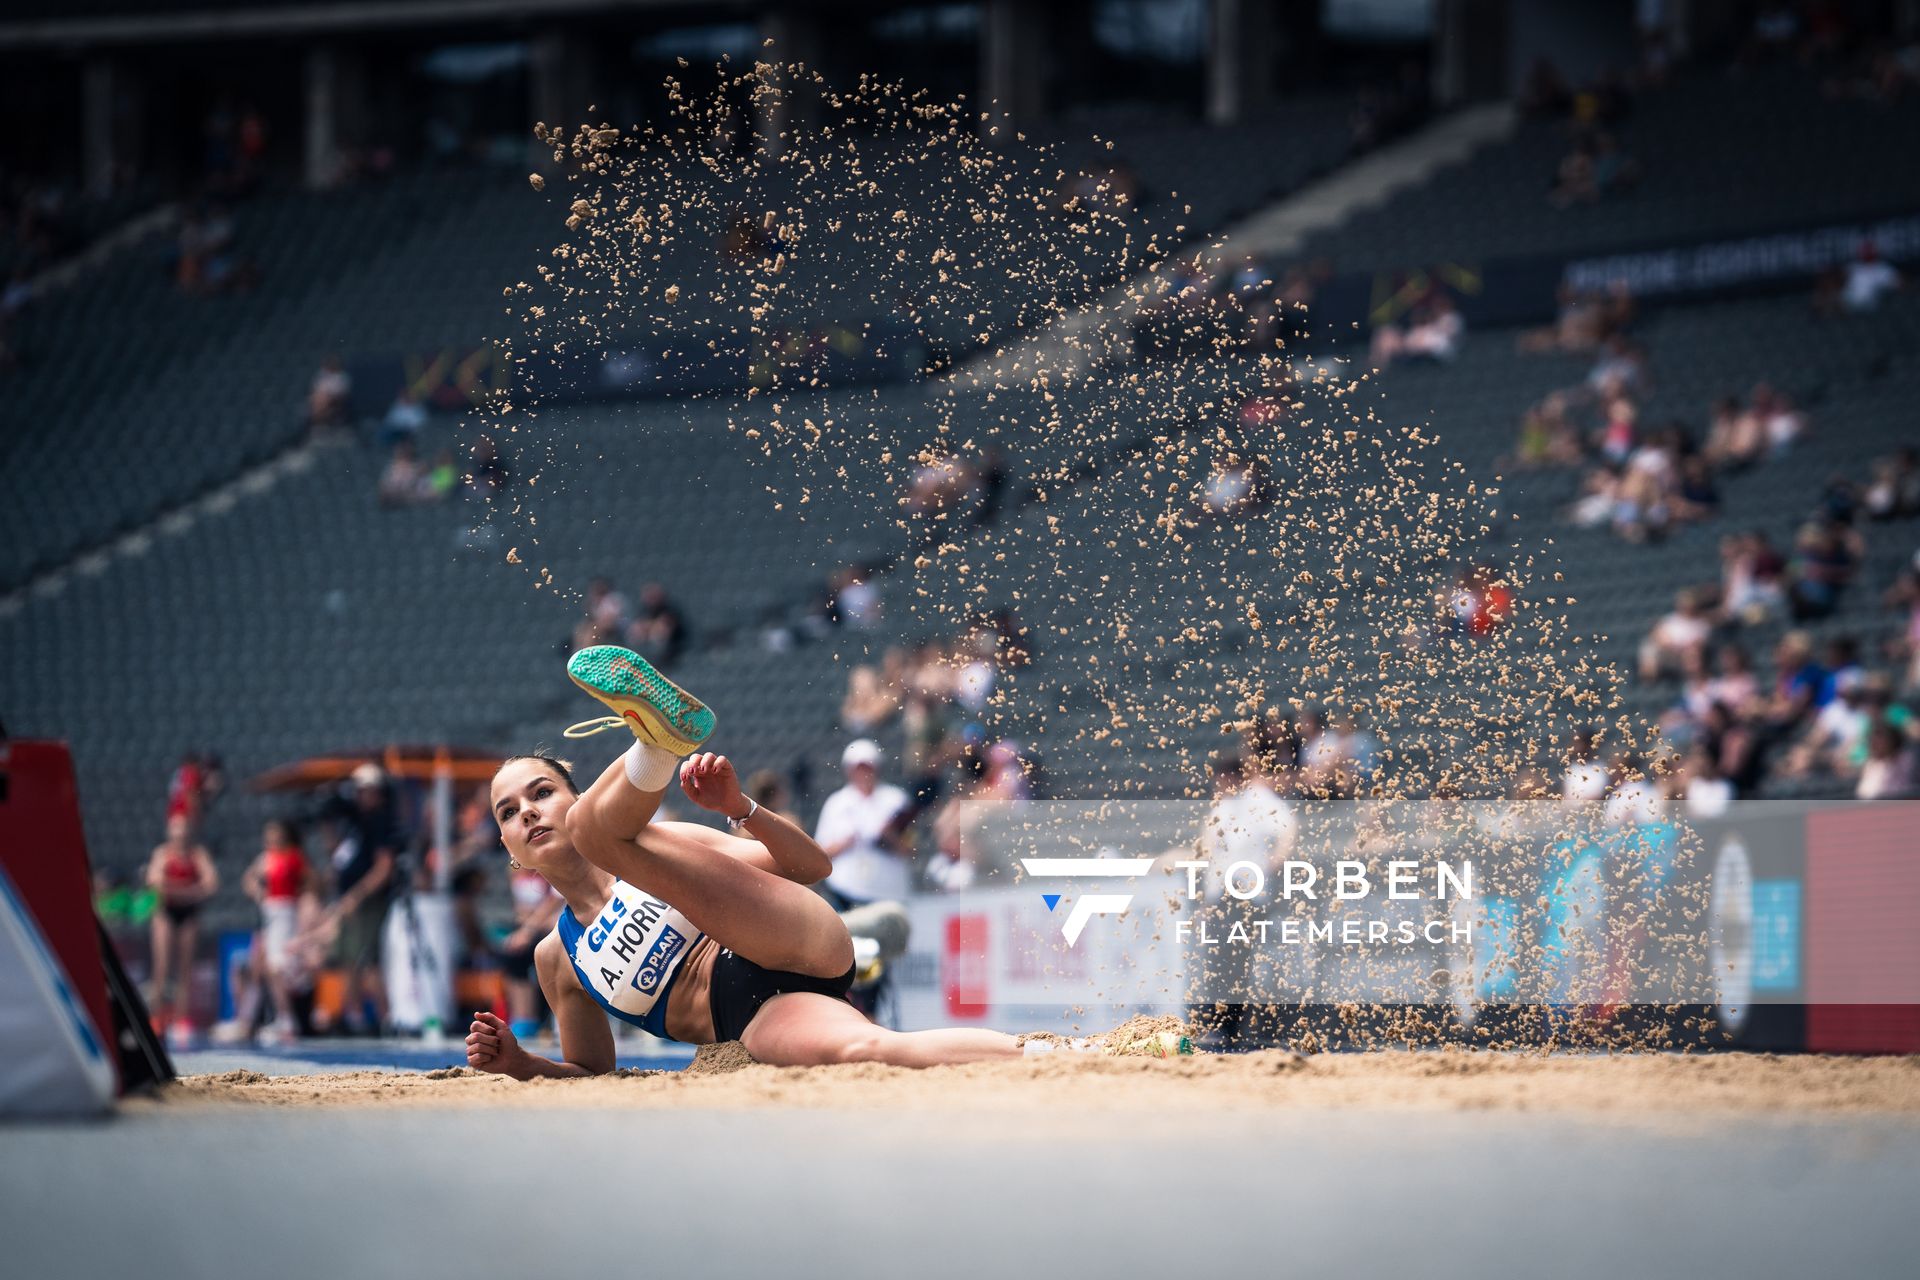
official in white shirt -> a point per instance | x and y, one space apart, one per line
851 824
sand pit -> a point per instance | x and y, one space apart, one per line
723 1078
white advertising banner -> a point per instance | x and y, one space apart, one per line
999 958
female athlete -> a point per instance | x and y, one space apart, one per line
689 933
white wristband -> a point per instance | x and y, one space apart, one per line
745 818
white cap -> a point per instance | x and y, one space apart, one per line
860 751
368 775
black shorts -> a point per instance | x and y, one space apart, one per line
181 913
738 987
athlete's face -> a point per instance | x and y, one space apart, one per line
530 802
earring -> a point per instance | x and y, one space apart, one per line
514 864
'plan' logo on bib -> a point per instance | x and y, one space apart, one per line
659 960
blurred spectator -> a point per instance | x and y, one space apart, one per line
1248 821
328 397
282 883
1780 423
658 631
490 474
606 616
182 873
1776 28
926 723
1234 486
945 490
1113 187
1005 780
1801 685
205 260
1614 171
1676 640
1587 778
1620 370
1620 433
1635 799
363 873
1893 493
975 676
1732 684
1904 596
405 417
1837 733
852 823
856 600
1586 320
771 792
536 909
1825 556
1892 767
1752 573
401 480
1736 437
192 788
1704 791
1434 331
1869 279
439 481
870 703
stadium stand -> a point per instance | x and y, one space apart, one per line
1720 153
160 409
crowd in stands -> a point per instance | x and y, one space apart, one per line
656 629
1596 165
935 697
1206 305
1836 712
207 258
1641 480
1861 285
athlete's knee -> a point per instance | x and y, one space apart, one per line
874 1045
583 820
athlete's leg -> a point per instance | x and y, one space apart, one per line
161 949
615 807
773 922
185 939
667 723
804 1029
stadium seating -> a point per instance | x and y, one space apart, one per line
308 619
1721 153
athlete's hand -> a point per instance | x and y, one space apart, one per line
710 782
492 1046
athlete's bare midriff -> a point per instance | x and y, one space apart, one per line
689 1008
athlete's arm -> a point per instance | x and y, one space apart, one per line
253 882
208 876
777 846
586 1041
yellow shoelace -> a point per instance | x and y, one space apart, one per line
587 728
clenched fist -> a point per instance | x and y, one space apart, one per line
492 1046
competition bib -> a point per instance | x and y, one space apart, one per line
627 957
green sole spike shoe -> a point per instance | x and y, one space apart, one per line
658 711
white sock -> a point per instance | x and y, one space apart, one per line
650 768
